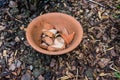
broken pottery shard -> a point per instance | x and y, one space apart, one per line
47 40
54 31
68 38
48 33
44 45
71 36
51 48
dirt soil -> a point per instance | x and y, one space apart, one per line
96 58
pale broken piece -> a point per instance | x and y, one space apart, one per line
59 44
54 31
55 38
48 33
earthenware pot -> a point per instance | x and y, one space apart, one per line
61 21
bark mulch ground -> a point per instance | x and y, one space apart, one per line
96 58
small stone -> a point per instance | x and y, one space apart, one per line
12 4
4 53
2 37
12 67
14 11
19 16
26 76
89 74
52 63
26 43
18 63
41 77
81 11
22 38
73 68
80 56
113 53
22 27
103 62
36 73
1 43
2 27
17 39
31 67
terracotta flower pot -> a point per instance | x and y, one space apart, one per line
60 21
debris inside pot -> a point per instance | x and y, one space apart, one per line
53 39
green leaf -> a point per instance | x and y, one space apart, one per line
118 7
116 74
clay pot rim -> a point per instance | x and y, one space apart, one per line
64 51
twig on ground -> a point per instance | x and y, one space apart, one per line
96 3
111 67
13 17
3 74
15 53
77 74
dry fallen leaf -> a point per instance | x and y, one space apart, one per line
18 71
4 53
64 78
14 73
105 17
102 74
99 14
